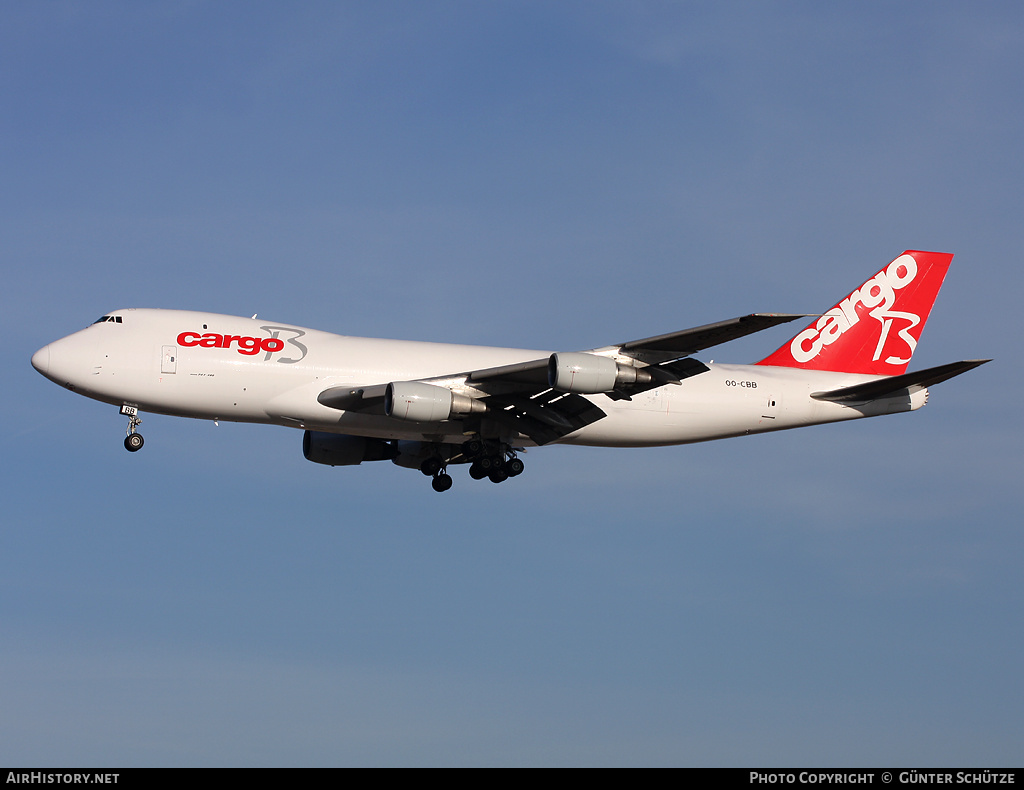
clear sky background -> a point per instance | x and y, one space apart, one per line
541 175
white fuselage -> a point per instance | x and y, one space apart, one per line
169 362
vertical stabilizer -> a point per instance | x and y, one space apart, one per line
875 329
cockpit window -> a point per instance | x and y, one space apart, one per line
113 319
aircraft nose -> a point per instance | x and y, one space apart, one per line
41 360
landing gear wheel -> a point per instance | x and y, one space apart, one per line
472 448
514 467
133 441
431 466
498 476
441 482
476 472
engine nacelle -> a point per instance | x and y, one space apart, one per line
589 374
419 402
336 449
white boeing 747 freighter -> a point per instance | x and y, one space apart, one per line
428 406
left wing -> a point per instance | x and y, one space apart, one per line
543 399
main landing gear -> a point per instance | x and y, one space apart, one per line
133 441
496 462
434 467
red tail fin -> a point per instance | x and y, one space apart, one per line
876 328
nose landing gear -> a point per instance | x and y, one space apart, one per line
133 441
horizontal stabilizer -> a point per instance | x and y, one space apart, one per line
883 388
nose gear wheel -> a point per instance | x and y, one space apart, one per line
133 441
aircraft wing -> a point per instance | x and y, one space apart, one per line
534 410
689 341
521 396
665 354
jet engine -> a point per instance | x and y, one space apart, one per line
419 402
589 374
336 449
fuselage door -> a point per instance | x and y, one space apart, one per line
169 359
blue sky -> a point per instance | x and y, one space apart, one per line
536 175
